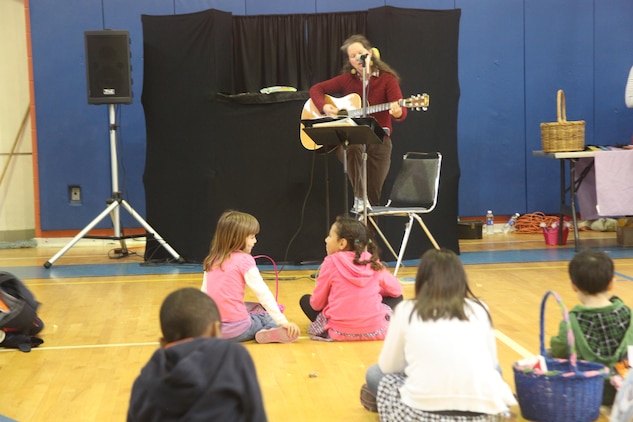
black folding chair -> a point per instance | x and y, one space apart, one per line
414 193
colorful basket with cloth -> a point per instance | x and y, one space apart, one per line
567 390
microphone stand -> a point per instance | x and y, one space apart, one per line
364 154
364 92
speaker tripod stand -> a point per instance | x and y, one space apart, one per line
115 202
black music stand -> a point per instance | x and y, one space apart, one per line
366 131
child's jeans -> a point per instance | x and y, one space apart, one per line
373 377
258 322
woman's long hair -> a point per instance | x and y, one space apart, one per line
230 235
376 62
441 287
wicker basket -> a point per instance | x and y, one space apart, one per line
562 135
570 390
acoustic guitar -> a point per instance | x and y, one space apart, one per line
352 107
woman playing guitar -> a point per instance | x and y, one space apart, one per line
383 87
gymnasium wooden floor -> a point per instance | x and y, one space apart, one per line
102 326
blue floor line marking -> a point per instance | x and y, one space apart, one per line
69 271
141 268
623 276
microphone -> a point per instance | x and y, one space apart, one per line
363 57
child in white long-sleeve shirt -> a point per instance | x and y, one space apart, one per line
439 359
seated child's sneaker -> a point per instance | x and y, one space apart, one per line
274 335
367 399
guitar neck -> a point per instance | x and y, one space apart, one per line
370 110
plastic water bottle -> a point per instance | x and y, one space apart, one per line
509 226
490 222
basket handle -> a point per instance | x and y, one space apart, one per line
560 106
571 341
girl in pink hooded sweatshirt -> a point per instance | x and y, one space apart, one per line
354 294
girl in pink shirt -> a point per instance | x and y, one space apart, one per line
228 268
354 293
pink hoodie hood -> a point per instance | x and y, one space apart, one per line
358 275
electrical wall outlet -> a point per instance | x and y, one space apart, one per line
74 193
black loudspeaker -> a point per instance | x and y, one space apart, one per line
108 70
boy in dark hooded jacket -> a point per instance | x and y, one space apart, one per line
195 375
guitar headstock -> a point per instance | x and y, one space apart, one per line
418 102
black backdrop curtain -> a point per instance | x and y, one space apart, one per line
326 33
264 47
181 73
290 50
208 152
422 45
